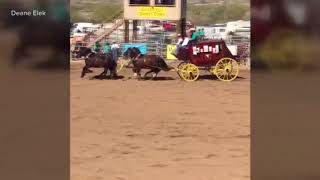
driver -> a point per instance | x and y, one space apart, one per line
106 48
96 47
182 43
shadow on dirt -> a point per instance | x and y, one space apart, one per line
210 77
159 79
101 77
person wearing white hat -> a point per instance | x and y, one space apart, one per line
179 44
180 39
115 48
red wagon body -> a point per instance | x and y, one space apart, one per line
206 53
213 56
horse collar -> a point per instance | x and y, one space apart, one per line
137 57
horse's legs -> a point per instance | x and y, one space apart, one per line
114 70
138 72
104 73
156 71
84 71
134 71
114 73
145 75
129 63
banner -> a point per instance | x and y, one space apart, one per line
142 47
171 49
152 12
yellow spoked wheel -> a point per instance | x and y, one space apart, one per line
120 65
189 72
226 69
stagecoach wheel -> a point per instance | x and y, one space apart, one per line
182 64
180 67
120 65
189 72
226 69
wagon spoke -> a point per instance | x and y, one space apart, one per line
189 72
226 69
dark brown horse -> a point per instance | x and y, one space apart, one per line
153 62
94 60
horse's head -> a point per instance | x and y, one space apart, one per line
129 53
132 53
83 52
136 51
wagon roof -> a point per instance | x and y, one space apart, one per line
212 42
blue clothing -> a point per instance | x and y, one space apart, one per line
142 47
115 55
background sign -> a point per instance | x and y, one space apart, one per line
171 49
152 12
142 47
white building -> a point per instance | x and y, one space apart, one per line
216 31
85 27
221 31
239 28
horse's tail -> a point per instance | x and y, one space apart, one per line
164 66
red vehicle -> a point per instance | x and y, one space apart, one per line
213 56
169 26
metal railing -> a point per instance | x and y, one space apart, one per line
106 33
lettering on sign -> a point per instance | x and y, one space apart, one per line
152 12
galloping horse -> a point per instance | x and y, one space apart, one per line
153 62
100 61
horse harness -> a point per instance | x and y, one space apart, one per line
144 60
139 55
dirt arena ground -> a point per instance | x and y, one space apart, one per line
161 130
